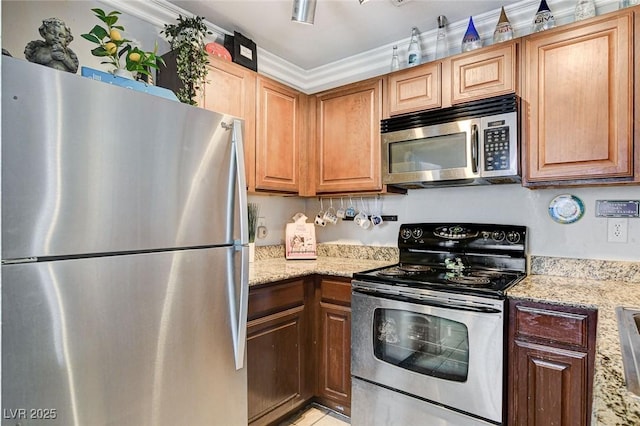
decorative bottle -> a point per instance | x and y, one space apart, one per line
585 9
471 39
442 48
544 19
414 54
504 30
395 62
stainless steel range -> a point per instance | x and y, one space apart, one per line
428 333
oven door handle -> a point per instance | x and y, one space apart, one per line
429 302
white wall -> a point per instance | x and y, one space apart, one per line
21 20
509 204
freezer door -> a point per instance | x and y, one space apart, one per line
93 168
141 339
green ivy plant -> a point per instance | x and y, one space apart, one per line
187 38
112 46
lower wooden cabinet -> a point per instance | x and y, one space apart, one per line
334 372
551 362
279 366
298 347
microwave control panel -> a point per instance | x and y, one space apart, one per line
496 148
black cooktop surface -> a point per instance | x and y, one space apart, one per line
488 282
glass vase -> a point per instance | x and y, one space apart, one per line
471 39
395 61
544 19
504 30
442 48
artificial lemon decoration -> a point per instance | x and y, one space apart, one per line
111 48
134 57
115 35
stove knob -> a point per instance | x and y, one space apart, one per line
513 237
417 233
497 235
405 233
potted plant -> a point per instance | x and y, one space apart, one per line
186 39
113 46
253 210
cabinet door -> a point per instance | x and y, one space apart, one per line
231 89
548 386
279 361
334 372
274 366
335 357
489 72
415 89
348 138
277 136
578 101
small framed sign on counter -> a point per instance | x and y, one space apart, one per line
617 208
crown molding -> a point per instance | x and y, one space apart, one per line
367 64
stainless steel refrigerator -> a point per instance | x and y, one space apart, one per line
124 256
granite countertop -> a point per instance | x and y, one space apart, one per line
270 270
337 260
603 285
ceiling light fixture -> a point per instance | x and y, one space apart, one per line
303 11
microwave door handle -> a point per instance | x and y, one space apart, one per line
474 148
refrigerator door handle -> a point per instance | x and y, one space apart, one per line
237 182
238 305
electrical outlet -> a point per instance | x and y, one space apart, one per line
617 229
261 231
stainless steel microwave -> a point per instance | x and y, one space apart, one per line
469 144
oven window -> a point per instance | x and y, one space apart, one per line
433 153
426 344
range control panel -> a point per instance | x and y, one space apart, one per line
432 236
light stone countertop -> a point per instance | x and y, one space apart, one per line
270 270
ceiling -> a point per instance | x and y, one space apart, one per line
342 28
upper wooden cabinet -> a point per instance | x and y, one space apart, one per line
277 136
483 74
415 89
578 102
348 138
491 71
231 89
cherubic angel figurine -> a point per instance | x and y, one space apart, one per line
53 51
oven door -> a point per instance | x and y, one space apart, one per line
441 152
442 352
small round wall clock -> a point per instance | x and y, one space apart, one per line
566 208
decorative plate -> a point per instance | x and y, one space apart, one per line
566 208
218 50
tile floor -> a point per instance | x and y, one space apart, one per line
316 415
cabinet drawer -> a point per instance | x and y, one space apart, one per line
334 291
564 325
266 300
